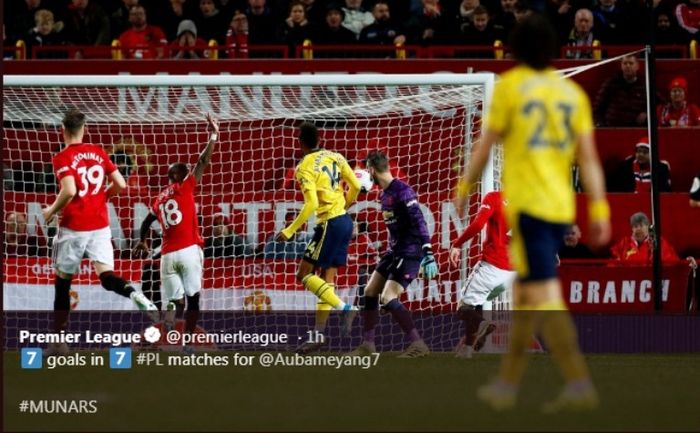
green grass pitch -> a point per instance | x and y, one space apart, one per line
640 392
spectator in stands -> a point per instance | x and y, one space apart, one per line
316 12
290 250
503 20
296 28
522 10
611 22
187 45
237 37
356 18
142 41
581 36
224 243
119 18
429 26
383 31
262 23
46 33
87 24
621 100
333 32
17 241
561 15
463 18
212 24
22 15
678 112
668 32
688 14
695 192
634 175
573 248
174 14
481 32
638 247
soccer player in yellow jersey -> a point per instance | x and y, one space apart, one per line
319 175
545 124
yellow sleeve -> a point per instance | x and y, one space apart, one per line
354 186
497 117
308 188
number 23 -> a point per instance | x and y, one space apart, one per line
542 115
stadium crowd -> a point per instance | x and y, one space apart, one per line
183 28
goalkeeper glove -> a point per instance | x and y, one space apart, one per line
428 267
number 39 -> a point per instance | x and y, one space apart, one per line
94 176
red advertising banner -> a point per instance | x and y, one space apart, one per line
600 288
623 289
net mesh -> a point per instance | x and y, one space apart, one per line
248 192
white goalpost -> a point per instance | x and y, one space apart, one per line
426 123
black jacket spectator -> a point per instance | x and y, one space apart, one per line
621 100
611 22
380 33
263 27
87 25
628 177
211 22
429 26
579 251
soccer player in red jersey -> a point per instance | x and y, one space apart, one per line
491 275
182 257
82 169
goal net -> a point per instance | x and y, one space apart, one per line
426 124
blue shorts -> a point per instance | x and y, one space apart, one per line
329 246
403 270
534 247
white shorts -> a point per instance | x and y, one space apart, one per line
70 247
484 278
181 272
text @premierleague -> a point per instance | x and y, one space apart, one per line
121 357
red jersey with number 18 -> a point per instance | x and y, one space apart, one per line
177 215
90 166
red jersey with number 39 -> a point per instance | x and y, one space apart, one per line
90 166
177 215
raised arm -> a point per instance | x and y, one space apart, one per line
205 156
478 223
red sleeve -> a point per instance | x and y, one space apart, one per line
480 219
617 249
61 167
160 36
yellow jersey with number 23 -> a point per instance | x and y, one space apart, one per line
539 115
